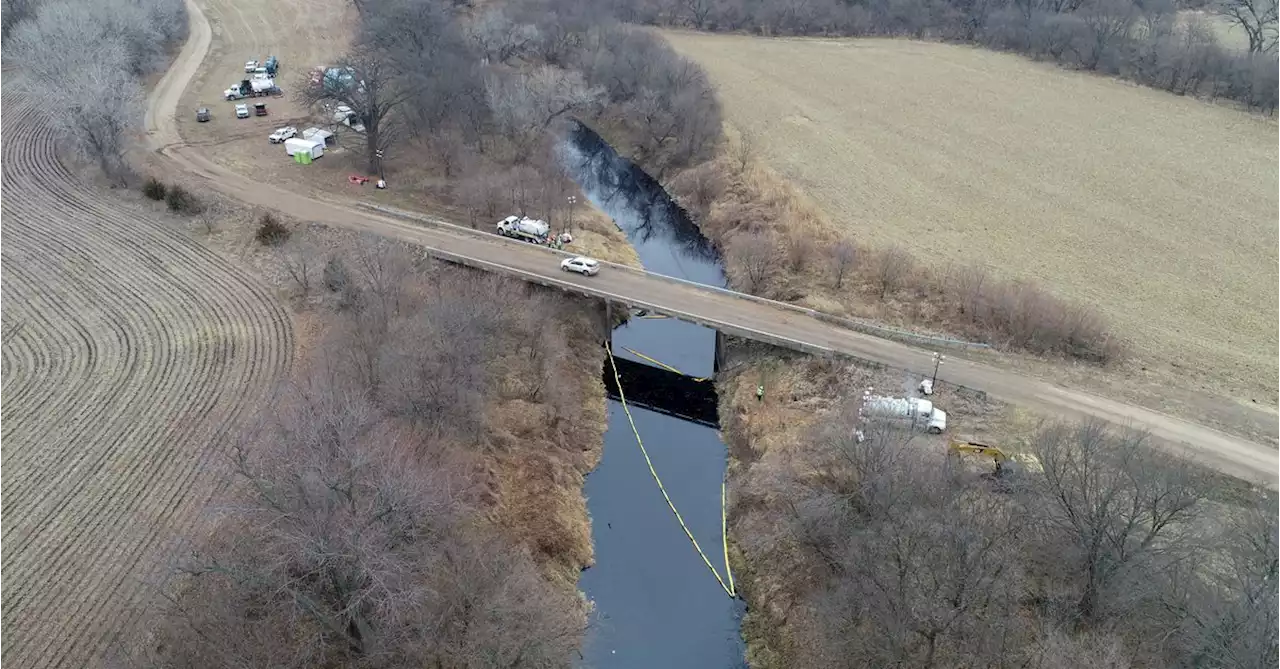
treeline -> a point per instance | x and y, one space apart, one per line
84 61
380 512
883 552
1143 40
486 89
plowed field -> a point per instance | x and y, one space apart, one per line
1159 210
129 352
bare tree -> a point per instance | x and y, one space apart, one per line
1228 605
499 39
348 551
1257 18
432 62
754 260
96 110
933 589
697 11
1115 513
843 256
1058 649
744 151
211 212
299 260
367 82
1106 23
526 103
81 59
915 569
892 267
14 11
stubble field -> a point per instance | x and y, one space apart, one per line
1159 210
129 351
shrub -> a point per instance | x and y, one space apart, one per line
154 189
181 201
336 277
271 232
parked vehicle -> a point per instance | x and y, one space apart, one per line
272 65
343 114
202 114
919 413
581 265
281 134
242 111
524 228
259 109
250 65
251 88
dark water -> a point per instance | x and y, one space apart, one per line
657 603
663 391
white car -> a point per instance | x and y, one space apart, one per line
282 134
250 65
242 111
342 113
583 266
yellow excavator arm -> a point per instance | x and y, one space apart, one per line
1001 458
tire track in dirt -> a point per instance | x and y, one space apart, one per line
138 350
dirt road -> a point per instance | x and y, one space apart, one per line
1226 453
129 350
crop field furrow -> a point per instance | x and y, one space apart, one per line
137 351
127 495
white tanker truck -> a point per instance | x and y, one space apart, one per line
920 413
525 228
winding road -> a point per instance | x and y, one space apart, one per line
722 309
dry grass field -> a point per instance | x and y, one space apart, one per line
129 350
1159 210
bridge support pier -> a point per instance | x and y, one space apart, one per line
717 361
608 323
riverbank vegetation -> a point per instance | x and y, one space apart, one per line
412 495
1152 43
885 552
778 244
85 62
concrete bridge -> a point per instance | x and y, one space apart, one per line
738 315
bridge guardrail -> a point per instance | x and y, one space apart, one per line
849 323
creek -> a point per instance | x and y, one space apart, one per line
656 603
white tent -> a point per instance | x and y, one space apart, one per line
296 144
319 135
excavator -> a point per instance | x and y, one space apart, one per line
1007 464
